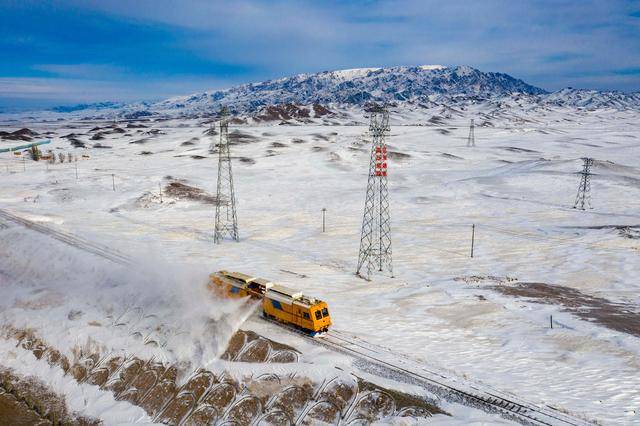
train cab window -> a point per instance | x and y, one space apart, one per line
325 312
318 315
305 315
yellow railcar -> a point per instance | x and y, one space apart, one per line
292 307
279 303
237 285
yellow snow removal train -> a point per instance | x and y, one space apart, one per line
279 303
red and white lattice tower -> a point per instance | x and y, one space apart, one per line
375 239
381 160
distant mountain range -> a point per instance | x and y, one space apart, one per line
93 106
359 86
421 86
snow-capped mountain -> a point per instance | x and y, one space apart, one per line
593 99
420 84
306 96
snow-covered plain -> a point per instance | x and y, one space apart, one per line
517 186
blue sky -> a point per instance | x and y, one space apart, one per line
64 52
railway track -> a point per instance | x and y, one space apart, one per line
445 385
72 240
480 394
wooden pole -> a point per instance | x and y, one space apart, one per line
113 181
473 238
160 188
324 210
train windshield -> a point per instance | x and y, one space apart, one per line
318 315
325 312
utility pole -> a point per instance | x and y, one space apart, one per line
471 140
324 210
584 189
76 164
113 181
160 189
375 239
24 164
226 219
473 238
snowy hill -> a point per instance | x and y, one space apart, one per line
593 99
421 84
407 89
145 189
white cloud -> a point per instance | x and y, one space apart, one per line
83 71
549 44
284 36
68 90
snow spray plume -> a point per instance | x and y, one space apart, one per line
48 284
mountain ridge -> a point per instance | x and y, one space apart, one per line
358 86
422 85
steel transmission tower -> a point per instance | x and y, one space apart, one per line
226 219
375 239
584 190
471 140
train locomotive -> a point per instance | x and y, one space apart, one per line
279 303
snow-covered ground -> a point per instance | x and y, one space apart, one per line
517 186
